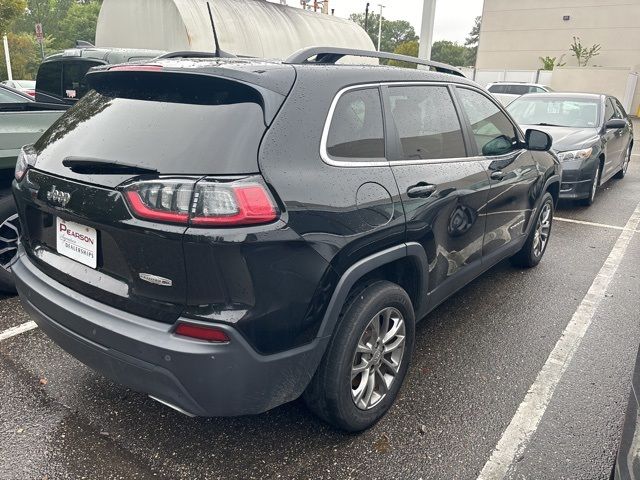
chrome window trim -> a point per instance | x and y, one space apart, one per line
327 125
386 163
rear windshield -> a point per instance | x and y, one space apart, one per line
63 81
172 123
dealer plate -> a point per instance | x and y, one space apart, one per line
77 242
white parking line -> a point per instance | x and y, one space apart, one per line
516 437
591 224
13 331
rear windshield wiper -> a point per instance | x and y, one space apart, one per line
93 166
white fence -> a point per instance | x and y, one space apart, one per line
484 77
622 83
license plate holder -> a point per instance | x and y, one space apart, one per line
77 242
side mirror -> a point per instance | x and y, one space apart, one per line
615 124
537 140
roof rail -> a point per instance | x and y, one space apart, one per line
192 54
328 55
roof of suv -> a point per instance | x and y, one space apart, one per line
528 84
275 74
105 55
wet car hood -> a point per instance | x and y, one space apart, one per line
568 138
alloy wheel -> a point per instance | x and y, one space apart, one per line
543 230
378 358
9 241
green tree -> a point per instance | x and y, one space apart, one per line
25 56
79 24
10 10
474 35
473 40
584 54
409 48
452 53
394 32
549 63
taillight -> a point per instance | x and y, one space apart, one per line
26 159
202 332
232 204
31 93
202 203
166 201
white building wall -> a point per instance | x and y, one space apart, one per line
515 33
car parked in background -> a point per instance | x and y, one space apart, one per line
507 92
60 84
24 86
592 136
183 239
22 121
61 76
627 465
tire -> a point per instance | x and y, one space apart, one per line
335 388
9 241
533 250
595 183
625 164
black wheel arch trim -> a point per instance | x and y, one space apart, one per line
552 179
411 250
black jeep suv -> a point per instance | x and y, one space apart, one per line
226 235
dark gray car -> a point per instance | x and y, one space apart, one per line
628 461
592 136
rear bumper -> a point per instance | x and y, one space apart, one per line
197 377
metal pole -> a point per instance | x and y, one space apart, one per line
7 57
366 18
426 31
380 26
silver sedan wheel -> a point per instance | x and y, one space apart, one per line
378 358
543 229
9 241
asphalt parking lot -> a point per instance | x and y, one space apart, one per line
476 359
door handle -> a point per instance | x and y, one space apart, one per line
421 190
497 175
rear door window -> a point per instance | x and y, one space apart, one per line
427 123
497 89
518 89
356 131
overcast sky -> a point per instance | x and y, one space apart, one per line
454 18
